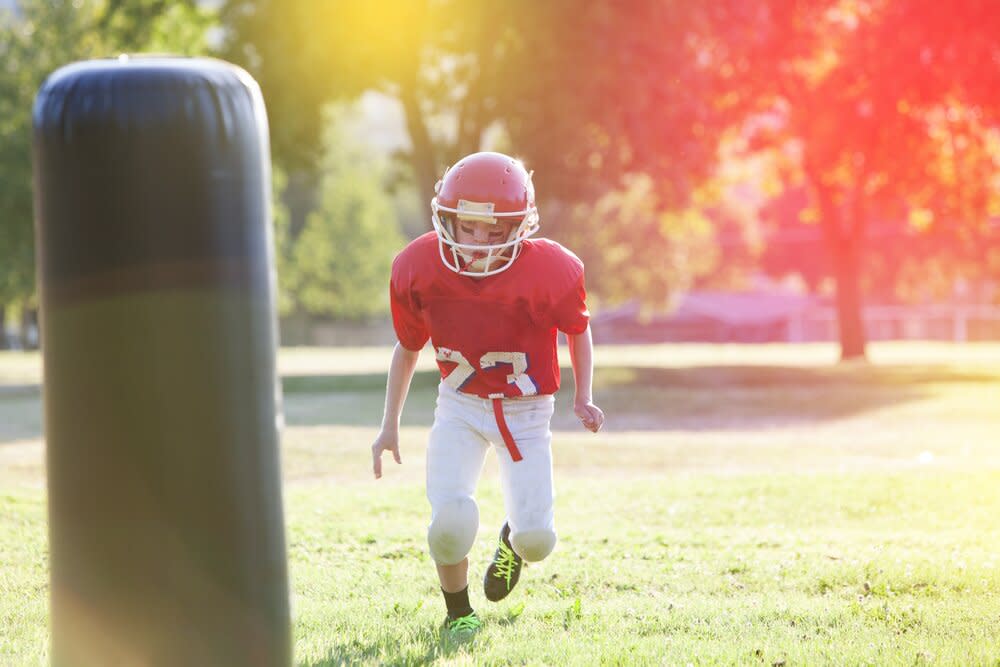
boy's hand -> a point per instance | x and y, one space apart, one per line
591 415
386 440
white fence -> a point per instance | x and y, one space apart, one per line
958 323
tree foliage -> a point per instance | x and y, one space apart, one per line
889 111
307 54
875 110
31 45
338 265
633 245
594 98
42 37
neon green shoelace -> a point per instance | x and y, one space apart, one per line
506 564
467 622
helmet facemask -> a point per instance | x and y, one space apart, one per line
489 189
472 259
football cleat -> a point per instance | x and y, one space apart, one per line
504 571
460 624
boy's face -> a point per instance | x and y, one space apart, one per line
479 232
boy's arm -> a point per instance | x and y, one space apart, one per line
397 385
581 354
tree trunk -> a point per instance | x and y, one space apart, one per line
3 328
29 328
472 118
422 155
844 244
301 196
846 262
470 121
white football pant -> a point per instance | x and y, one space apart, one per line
464 428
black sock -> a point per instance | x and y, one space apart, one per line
457 603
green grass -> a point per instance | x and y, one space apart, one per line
746 505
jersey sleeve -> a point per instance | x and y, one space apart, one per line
570 314
407 319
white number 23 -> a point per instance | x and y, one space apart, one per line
464 370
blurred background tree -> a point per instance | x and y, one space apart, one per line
884 111
35 41
606 105
338 266
864 132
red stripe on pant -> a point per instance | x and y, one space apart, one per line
508 439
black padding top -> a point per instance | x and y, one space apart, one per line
151 172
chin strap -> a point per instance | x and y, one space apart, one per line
508 439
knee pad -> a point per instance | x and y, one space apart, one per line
453 531
533 545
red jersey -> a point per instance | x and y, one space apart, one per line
494 336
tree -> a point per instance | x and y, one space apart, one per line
621 117
29 50
635 247
593 97
306 55
172 26
38 40
338 266
890 110
907 259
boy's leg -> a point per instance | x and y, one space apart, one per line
529 532
455 577
528 489
455 456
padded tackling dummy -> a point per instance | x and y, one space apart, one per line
156 279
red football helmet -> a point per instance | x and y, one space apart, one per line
484 187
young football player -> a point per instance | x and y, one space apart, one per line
491 301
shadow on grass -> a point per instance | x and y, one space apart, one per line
427 645
643 399
690 398
748 397
784 376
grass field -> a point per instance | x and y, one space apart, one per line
754 505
